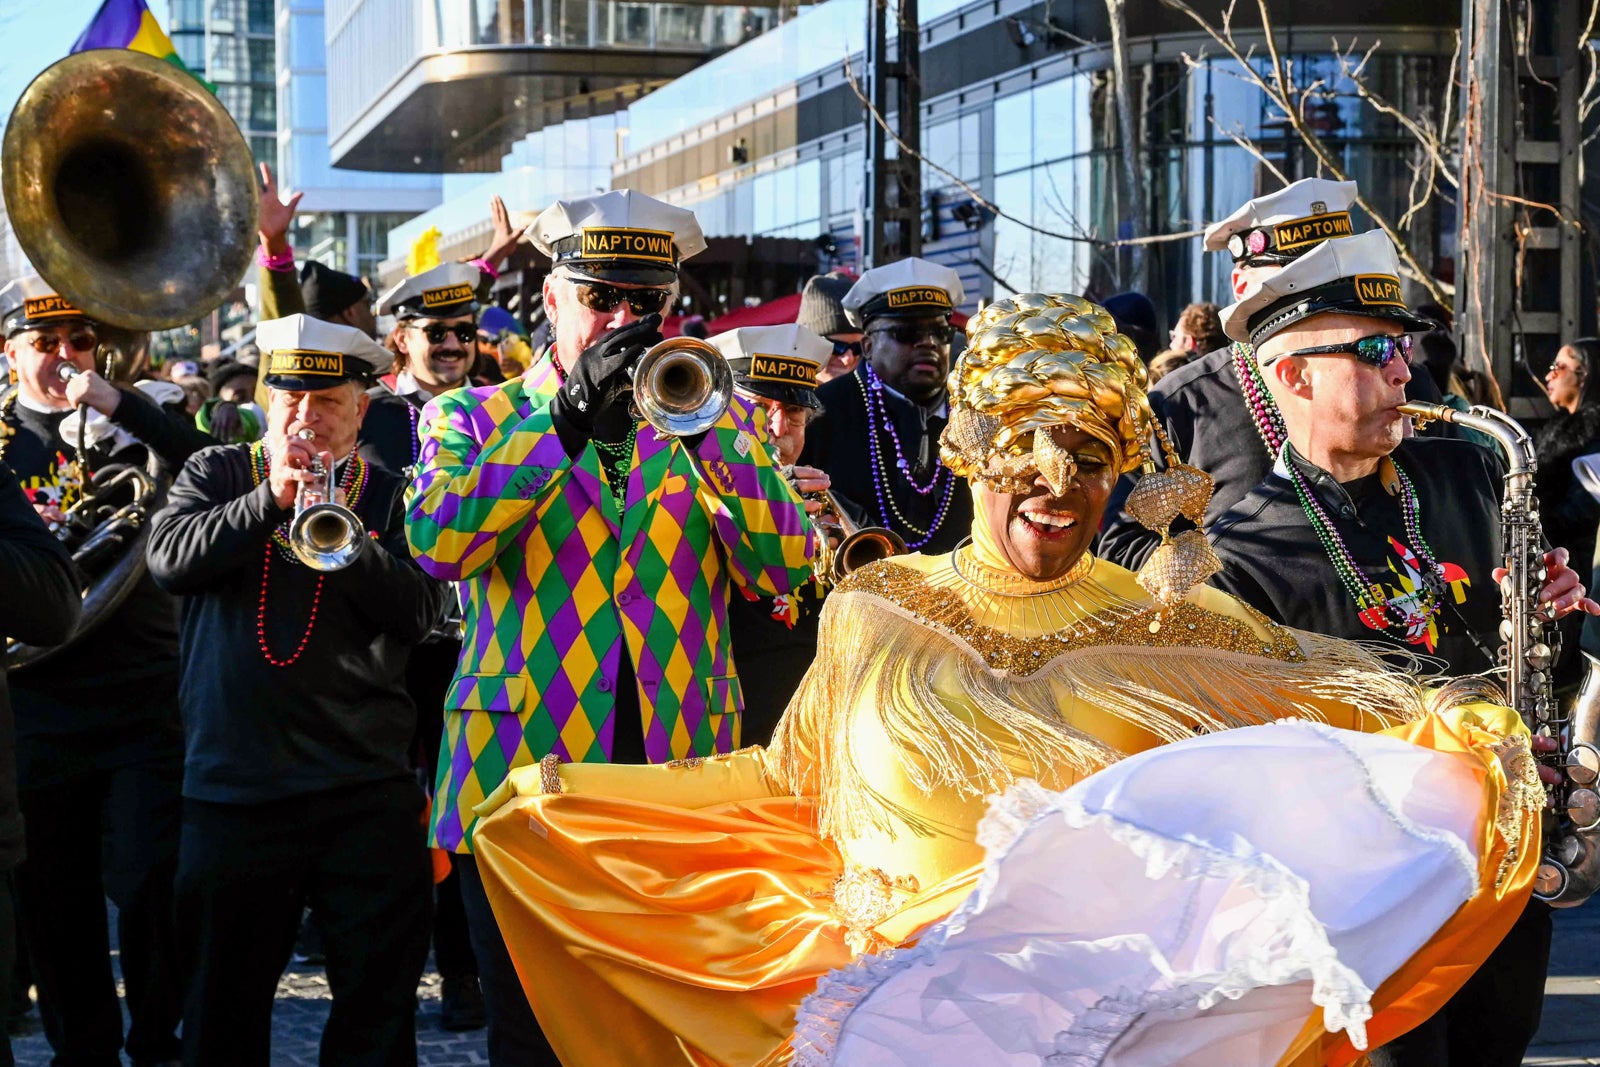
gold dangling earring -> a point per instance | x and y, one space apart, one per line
1179 563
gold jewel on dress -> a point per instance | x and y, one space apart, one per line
550 773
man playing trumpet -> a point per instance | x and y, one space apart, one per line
296 784
597 554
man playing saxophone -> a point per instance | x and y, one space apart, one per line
297 787
597 553
1363 532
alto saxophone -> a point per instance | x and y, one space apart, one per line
1569 869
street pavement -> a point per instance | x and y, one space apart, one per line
1569 1033
297 1018
1569 1036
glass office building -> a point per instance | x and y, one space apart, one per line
765 141
345 216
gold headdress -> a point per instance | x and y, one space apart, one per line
1041 360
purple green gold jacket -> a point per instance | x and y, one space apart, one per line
559 585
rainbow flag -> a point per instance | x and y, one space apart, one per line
129 24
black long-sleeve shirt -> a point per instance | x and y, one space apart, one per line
111 698
39 604
339 714
1273 560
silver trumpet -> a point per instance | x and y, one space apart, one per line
325 535
682 386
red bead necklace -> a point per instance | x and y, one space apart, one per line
353 481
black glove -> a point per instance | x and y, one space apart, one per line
601 376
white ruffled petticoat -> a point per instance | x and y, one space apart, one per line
1186 906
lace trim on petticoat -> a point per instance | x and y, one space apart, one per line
1337 989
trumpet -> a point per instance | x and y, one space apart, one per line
325 535
682 386
858 545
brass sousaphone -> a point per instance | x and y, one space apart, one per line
133 194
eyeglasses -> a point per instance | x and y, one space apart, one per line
48 344
1376 350
911 333
436 332
597 296
853 348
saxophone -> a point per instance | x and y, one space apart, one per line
1569 869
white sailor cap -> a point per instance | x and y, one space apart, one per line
1348 275
31 301
447 291
1287 223
620 236
303 353
907 288
777 362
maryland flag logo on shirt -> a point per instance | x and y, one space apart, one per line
1409 593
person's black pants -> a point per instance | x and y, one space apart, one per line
452 940
8 957
428 674
515 1039
245 872
1493 1017
110 834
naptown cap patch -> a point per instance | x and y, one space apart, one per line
303 353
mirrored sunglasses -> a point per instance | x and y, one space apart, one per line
597 296
1376 350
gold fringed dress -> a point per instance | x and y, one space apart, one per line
678 914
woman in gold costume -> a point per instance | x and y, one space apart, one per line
679 914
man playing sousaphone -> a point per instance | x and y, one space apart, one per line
597 554
99 750
296 781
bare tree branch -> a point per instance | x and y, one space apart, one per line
984 202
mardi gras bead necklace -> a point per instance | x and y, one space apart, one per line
1269 423
1373 606
352 483
882 482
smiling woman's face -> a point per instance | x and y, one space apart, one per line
1040 534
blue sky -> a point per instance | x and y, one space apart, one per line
48 27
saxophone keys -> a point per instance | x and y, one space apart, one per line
1549 880
1583 764
1583 808
1539 656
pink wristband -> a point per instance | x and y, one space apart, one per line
487 268
281 263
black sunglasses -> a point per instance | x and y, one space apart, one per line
83 340
436 332
1376 350
597 296
911 333
851 347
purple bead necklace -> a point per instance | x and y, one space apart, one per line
874 386
882 482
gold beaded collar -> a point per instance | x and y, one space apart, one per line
1187 626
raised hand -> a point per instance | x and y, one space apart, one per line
275 215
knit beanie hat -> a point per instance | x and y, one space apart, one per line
822 307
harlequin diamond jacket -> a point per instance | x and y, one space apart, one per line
559 583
